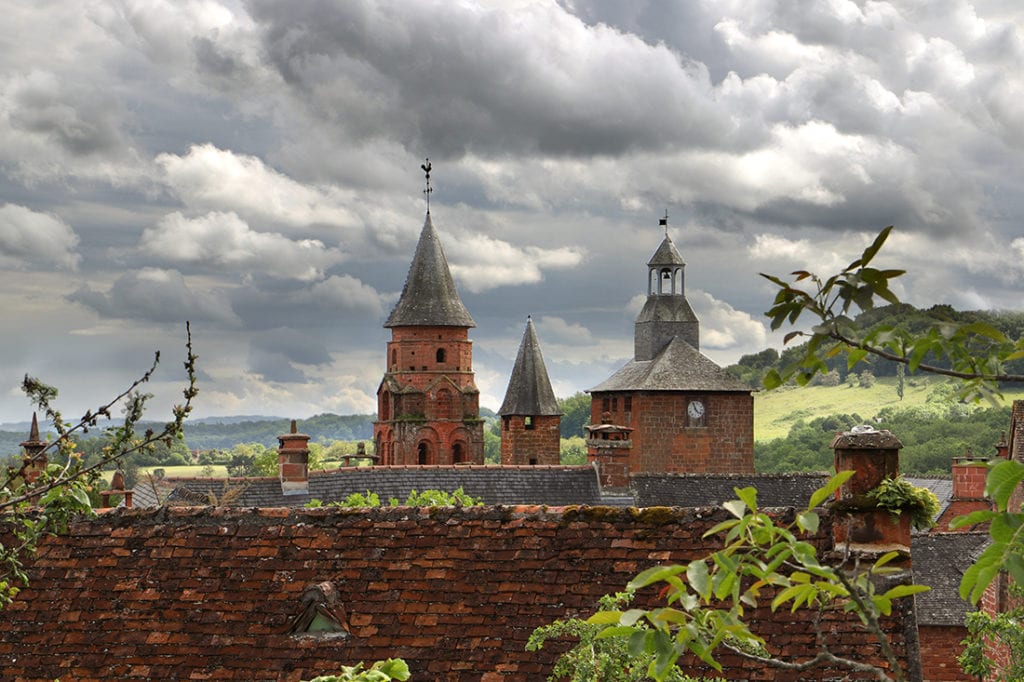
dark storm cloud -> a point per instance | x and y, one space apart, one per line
447 78
275 367
153 295
80 120
293 344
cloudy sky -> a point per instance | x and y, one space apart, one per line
254 167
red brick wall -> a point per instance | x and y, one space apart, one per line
445 394
940 645
541 443
180 593
664 442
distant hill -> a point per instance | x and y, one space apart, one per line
225 432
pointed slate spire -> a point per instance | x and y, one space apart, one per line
667 254
529 389
429 298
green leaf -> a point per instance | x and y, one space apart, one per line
871 251
854 356
697 576
808 521
737 508
826 491
974 518
1002 480
771 379
905 591
653 575
605 618
748 495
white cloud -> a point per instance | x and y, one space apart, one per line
559 331
722 327
223 240
481 263
211 178
32 239
347 293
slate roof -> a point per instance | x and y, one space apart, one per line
939 561
666 308
529 388
942 487
429 297
666 254
678 367
547 485
711 490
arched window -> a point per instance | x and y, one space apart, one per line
394 358
422 454
457 453
385 406
440 355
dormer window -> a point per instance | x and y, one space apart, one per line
321 615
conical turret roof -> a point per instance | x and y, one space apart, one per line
429 298
666 254
529 389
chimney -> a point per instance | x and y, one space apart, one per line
35 453
859 522
293 462
969 474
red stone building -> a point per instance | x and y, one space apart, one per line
428 404
682 413
530 417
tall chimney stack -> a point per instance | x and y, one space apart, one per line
293 461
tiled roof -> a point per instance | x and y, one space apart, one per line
678 367
529 388
214 593
550 485
939 561
429 297
711 490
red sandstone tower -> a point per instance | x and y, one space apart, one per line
428 404
530 417
670 409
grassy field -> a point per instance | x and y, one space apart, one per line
219 471
775 411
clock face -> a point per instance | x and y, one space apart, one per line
695 409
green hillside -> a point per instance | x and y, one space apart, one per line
776 411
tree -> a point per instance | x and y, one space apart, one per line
573 450
707 600
39 497
1002 629
976 352
575 414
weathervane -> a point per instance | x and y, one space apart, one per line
663 222
426 169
